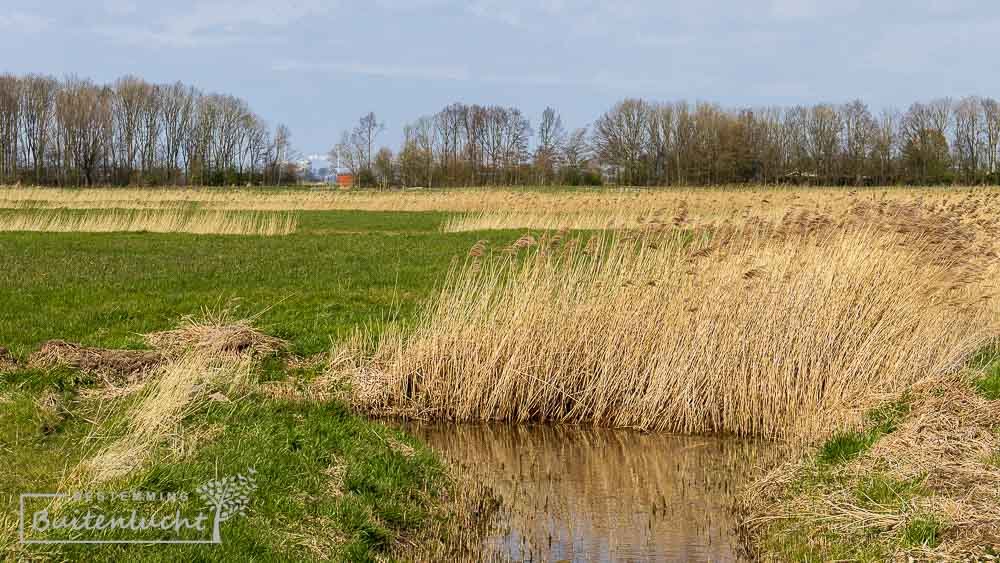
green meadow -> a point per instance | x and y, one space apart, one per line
341 271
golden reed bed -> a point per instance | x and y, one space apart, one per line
462 200
756 327
476 209
199 222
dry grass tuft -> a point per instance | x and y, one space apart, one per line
207 359
7 361
49 411
309 362
115 367
180 386
336 474
194 439
767 328
155 221
313 535
401 448
216 333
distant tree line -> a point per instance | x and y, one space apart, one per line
75 132
469 145
638 142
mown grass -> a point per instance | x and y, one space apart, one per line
341 270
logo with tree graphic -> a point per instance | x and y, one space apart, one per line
229 497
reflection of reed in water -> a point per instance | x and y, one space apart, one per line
594 493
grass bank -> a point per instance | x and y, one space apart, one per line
222 399
331 484
917 479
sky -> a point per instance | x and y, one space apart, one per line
318 65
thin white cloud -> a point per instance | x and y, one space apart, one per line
503 12
426 72
601 80
794 9
217 23
120 7
231 15
23 22
142 36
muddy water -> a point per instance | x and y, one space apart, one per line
586 494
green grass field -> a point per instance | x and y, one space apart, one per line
340 271
334 485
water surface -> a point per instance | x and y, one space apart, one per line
593 494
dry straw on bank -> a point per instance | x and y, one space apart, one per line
202 360
941 461
163 221
766 328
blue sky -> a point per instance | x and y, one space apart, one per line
318 65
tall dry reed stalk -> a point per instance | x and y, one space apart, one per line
156 221
767 328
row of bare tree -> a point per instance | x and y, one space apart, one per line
73 132
465 145
674 143
638 142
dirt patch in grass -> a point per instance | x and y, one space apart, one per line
920 481
113 366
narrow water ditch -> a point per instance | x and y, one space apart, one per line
594 494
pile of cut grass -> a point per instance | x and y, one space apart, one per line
204 360
765 329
